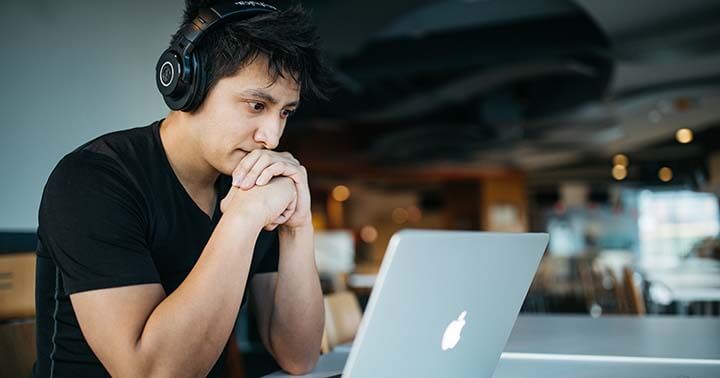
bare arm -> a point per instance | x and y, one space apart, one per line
289 306
138 331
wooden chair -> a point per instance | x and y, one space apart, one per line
628 297
588 281
234 364
634 298
342 319
17 314
324 344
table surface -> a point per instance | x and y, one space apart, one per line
649 336
616 336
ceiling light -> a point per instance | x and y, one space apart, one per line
368 234
665 174
341 193
684 135
400 215
619 172
621 159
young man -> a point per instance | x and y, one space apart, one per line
151 239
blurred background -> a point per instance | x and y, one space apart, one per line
595 121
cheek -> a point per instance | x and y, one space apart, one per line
225 149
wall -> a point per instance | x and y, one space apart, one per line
70 71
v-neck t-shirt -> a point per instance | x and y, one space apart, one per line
113 213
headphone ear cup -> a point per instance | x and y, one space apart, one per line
168 72
197 87
173 77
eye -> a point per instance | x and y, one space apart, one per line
287 113
256 107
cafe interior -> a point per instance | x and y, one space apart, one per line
597 122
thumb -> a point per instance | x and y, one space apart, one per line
228 198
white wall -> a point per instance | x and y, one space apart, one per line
69 71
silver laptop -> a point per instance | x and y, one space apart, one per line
444 303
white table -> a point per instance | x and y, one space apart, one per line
695 280
652 339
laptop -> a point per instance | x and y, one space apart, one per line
443 305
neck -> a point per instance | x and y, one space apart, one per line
184 155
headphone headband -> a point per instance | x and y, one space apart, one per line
177 74
193 32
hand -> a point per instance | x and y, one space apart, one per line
269 202
260 166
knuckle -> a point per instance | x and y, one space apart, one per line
265 159
245 165
254 171
253 155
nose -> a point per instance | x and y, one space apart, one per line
268 134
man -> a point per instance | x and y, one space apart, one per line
151 239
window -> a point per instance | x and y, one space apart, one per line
672 222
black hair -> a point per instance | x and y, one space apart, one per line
287 38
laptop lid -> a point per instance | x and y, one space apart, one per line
444 303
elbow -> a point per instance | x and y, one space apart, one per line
299 366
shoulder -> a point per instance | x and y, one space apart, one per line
124 145
113 158
105 168
86 168
86 192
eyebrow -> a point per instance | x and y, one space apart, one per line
266 97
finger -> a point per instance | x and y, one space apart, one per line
252 175
287 214
245 165
293 204
281 219
289 156
290 211
278 169
273 170
225 202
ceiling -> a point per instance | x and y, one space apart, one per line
537 85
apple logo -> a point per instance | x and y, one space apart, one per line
452 333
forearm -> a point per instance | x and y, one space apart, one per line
188 330
298 314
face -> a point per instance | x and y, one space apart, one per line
241 113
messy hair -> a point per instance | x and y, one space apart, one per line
288 39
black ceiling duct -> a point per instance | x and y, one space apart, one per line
544 56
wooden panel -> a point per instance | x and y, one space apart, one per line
17 348
17 285
505 204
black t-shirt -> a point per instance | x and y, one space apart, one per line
113 214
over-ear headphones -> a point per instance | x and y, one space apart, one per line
178 74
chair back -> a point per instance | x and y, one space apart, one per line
342 318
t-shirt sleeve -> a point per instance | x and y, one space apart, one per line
92 223
270 259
